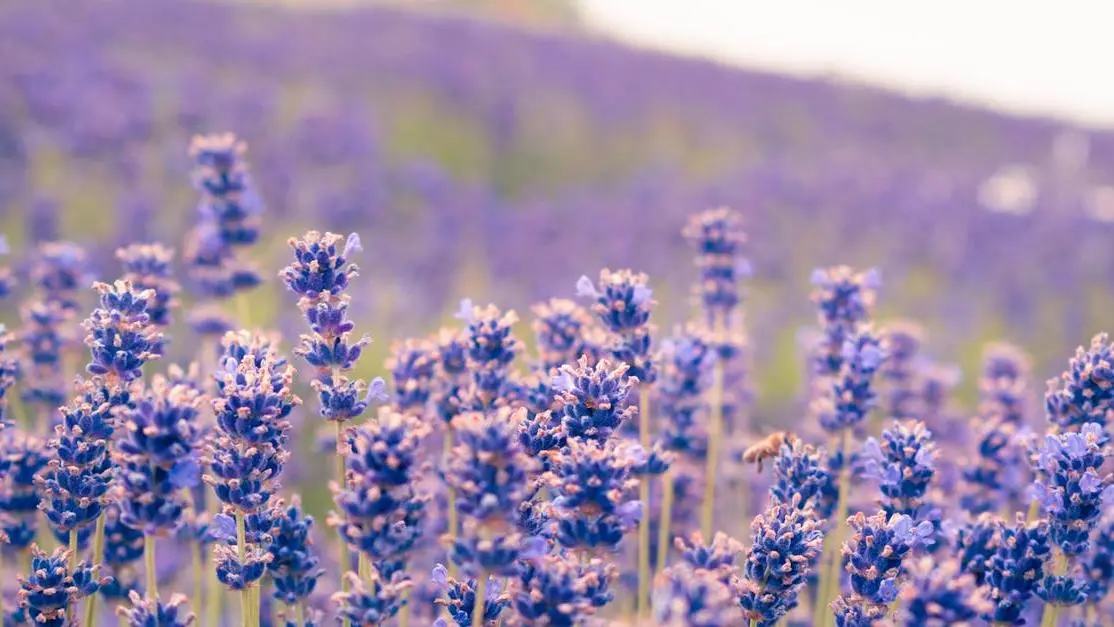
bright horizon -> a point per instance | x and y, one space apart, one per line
1022 56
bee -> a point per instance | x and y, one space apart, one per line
767 447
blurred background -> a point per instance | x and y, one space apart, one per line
498 149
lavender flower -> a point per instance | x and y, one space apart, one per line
1085 392
903 464
147 612
247 452
937 594
381 513
158 458
121 336
593 399
556 590
60 273
460 600
559 328
873 557
293 566
844 300
9 372
903 340
975 542
148 267
370 606
1070 488
22 457
686 376
75 484
717 235
412 366
622 304
490 473
1015 570
123 547
719 556
43 337
786 541
851 394
490 350
684 597
800 470
230 212
52 587
592 484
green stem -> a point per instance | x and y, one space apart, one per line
149 565
715 435
242 550
196 558
300 614
341 477
665 521
73 549
363 568
478 606
829 579
404 613
98 555
214 600
1034 512
1051 615
446 451
644 495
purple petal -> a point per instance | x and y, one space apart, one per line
352 245
376 390
224 527
585 288
186 473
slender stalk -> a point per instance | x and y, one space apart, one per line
149 565
665 521
1051 615
829 579
73 549
715 437
1034 512
98 556
644 495
342 547
404 613
300 614
363 566
213 600
478 607
454 524
196 560
20 413
242 549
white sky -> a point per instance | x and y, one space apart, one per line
1052 57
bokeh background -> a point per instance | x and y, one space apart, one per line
499 149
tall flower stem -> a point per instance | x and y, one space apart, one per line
242 548
213 609
644 496
1051 615
363 568
454 524
73 549
478 606
830 559
98 555
341 479
149 565
665 521
715 436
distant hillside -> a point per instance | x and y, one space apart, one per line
521 158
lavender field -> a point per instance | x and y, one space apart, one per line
778 356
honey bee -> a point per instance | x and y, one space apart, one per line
767 447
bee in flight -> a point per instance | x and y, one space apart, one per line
767 447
